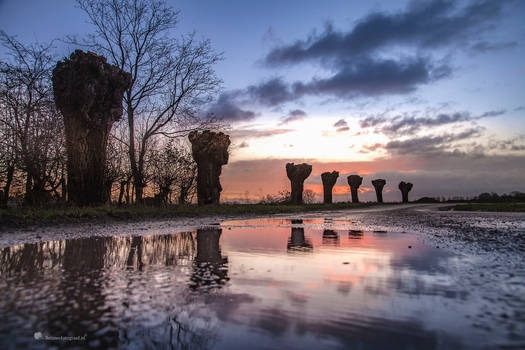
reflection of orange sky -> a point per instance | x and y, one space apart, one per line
276 238
325 272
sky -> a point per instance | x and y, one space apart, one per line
431 92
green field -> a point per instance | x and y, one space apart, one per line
23 217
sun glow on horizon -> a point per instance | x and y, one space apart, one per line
312 138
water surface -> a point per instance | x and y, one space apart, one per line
274 284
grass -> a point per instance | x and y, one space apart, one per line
24 217
492 207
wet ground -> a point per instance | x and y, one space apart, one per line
404 277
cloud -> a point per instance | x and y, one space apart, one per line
371 77
271 92
364 77
428 145
226 108
409 125
244 144
362 63
256 133
483 46
292 116
514 144
341 125
423 25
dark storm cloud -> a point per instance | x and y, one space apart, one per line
370 77
292 116
428 145
271 92
364 77
484 46
408 125
360 59
226 108
429 24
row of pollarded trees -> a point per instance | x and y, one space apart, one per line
169 79
297 173
210 151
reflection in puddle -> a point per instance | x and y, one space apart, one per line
298 242
283 286
330 237
210 268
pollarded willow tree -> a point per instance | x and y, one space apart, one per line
170 76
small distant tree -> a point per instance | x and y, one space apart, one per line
282 197
172 170
308 196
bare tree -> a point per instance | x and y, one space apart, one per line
186 182
171 77
8 155
29 116
172 170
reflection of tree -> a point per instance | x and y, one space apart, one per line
210 267
81 307
298 241
355 234
330 237
87 254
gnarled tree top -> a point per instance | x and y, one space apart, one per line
299 171
354 180
405 186
86 85
210 146
329 178
378 182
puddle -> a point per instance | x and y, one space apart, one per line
272 283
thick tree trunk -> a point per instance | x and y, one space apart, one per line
355 195
405 187
4 197
354 181
121 192
88 91
378 185
329 180
210 151
297 174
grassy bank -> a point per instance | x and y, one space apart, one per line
24 217
492 207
